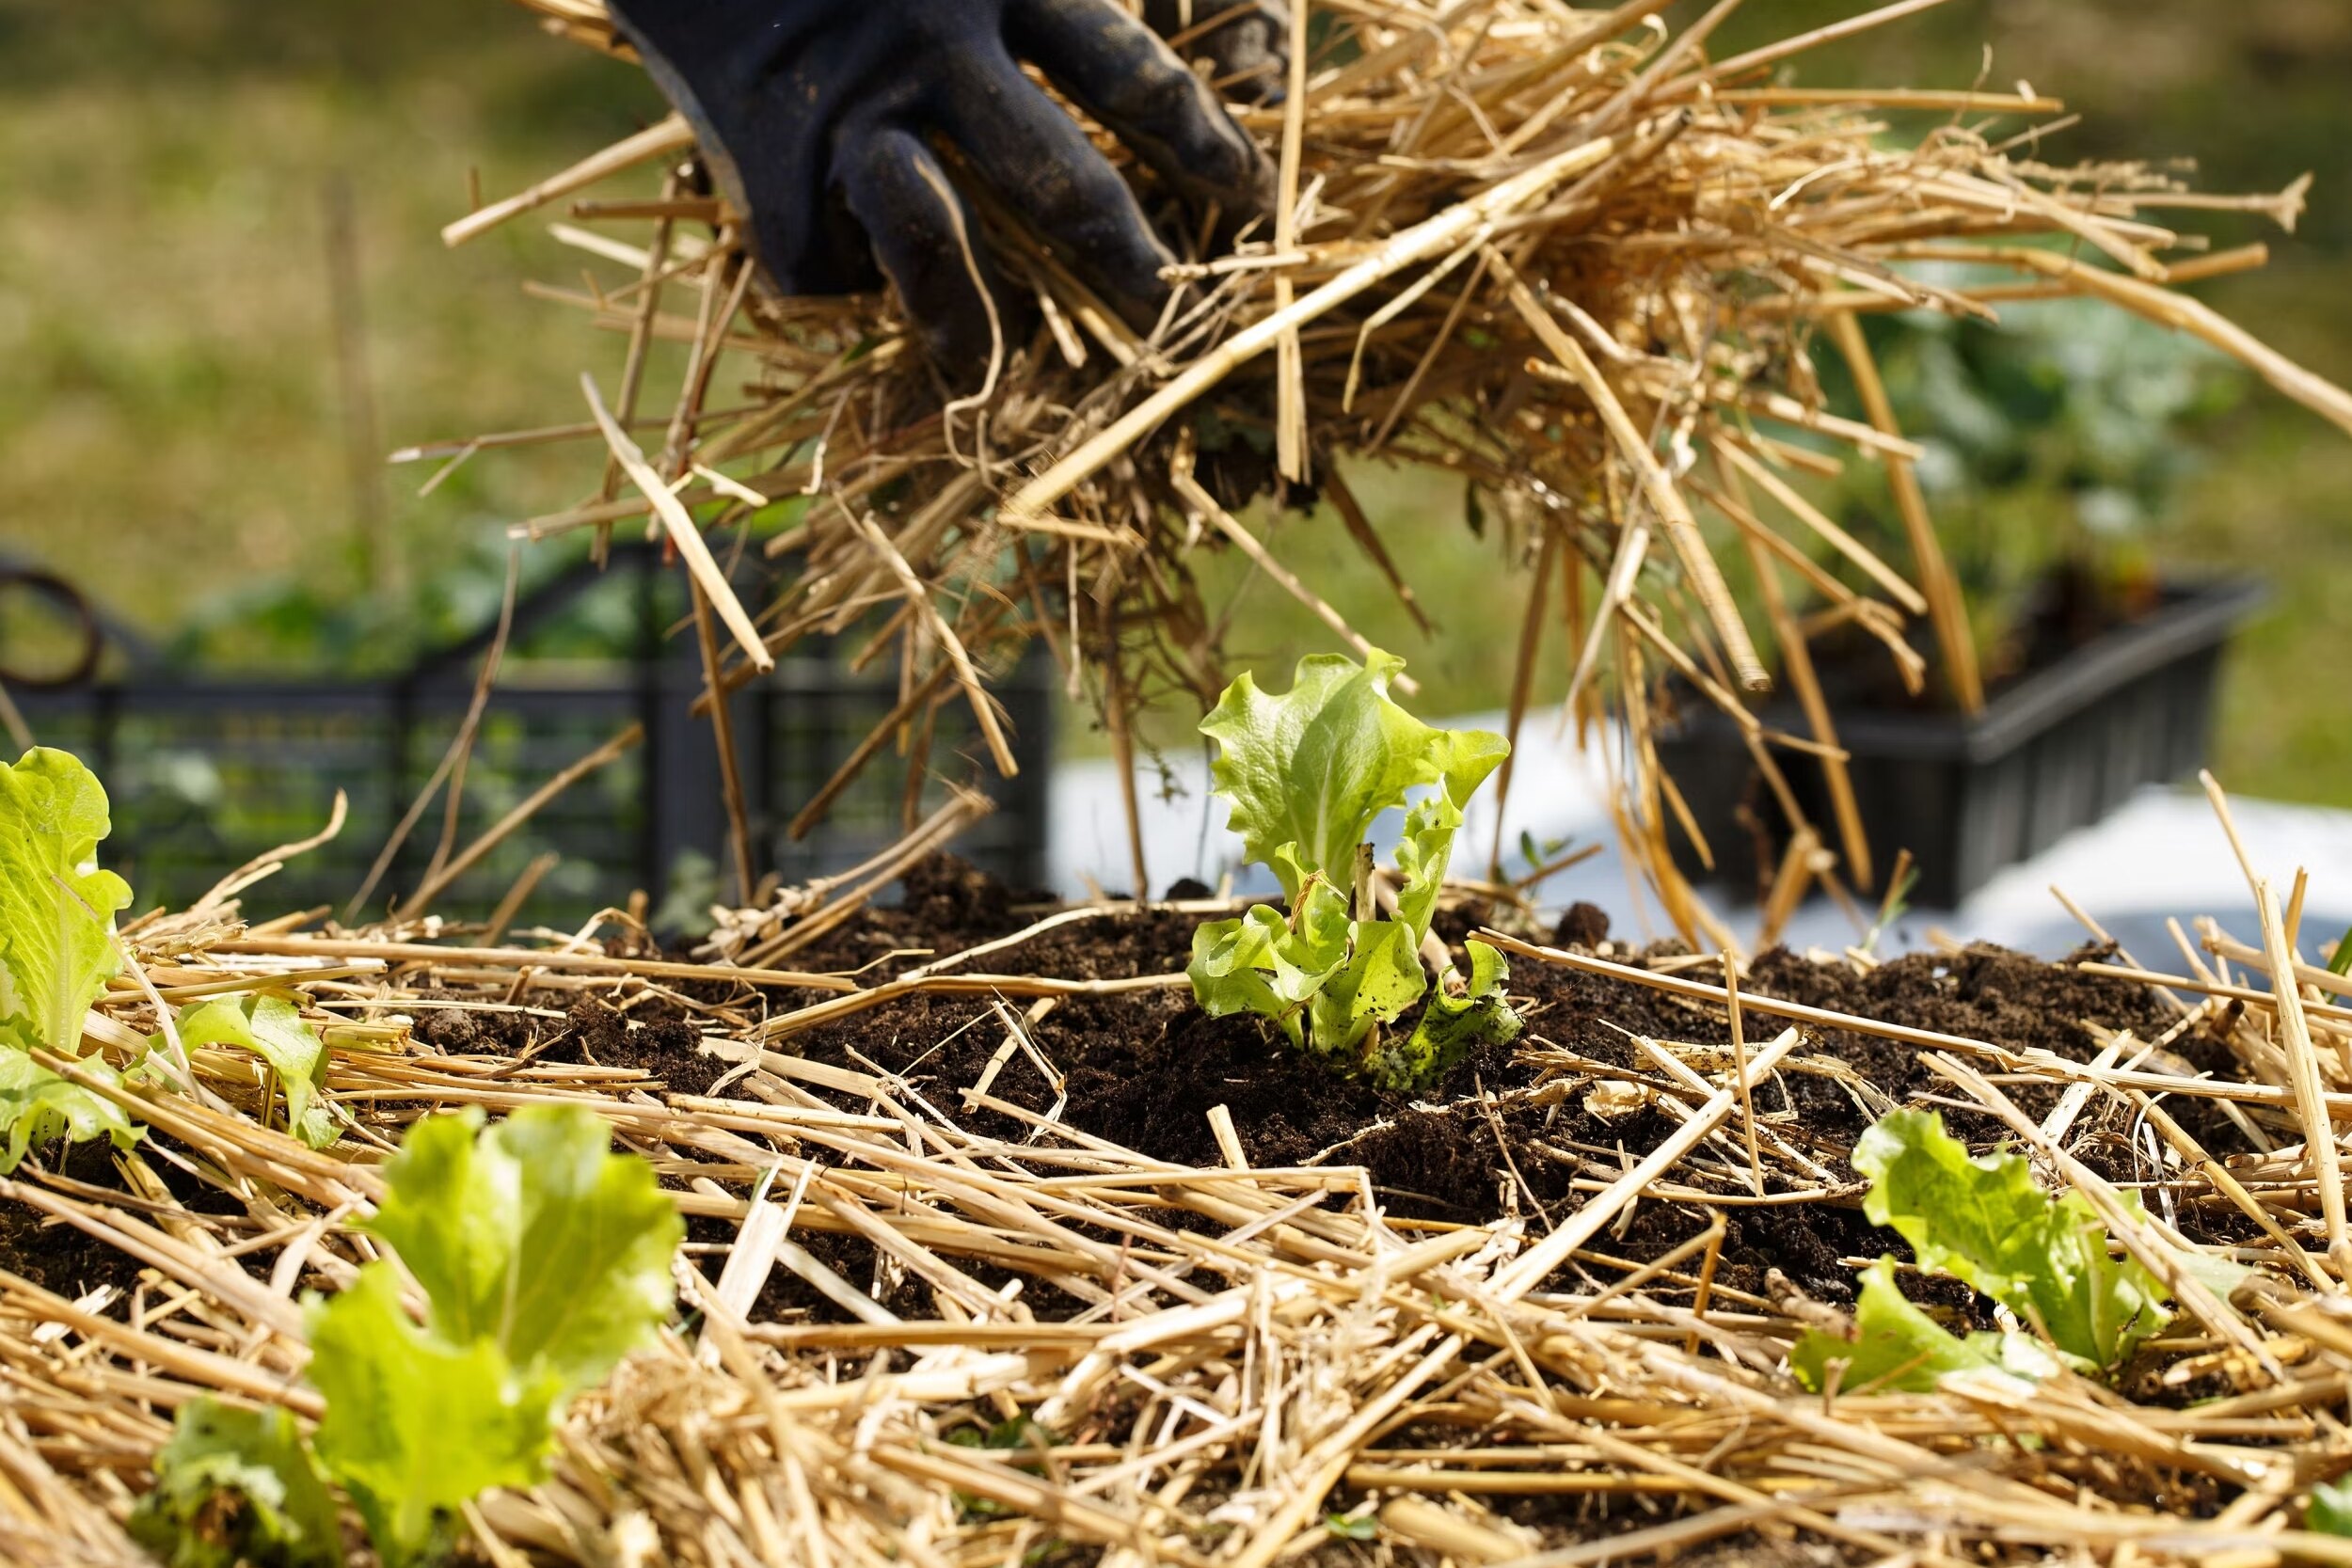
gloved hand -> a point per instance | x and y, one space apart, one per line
1247 43
818 118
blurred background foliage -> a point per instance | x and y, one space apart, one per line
183 328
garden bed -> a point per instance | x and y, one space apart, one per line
1038 1298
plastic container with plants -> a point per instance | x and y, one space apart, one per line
2055 671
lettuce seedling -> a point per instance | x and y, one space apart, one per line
1306 773
56 949
543 1259
417 1426
1897 1348
272 1028
1984 1222
2330 1509
37 1107
238 1485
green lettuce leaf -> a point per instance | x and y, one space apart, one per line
272 1028
1985 1222
2330 1512
1265 964
533 1238
2219 1275
236 1486
1897 1348
415 1425
1464 760
1313 767
37 1106
56 908
1325 984
1451 1027
1381 978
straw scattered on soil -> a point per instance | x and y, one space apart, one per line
933 1314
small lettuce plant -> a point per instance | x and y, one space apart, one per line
543 1257
1983 1221
57 951
1306 773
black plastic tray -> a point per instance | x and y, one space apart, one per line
1969 796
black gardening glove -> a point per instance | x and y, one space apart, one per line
1247 43
819 115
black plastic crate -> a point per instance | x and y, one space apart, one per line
206 773
1969 796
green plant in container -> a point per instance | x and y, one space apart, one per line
1306 773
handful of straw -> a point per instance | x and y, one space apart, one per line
1566 254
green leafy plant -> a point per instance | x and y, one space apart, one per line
238 1485
2056 439
1983 1221
37 1107
1306 773
543 1259
1897 1347
272 1028
56 949
2331 1511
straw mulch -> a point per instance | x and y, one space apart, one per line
1243 1366
1566 253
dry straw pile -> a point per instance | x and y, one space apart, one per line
1238 1367
1564 253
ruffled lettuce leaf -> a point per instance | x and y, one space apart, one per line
416 1425
1983 1220
1897 1348
238 1485
272 1028
1453 1027
1381 978
1265 964
1464 760
1311 769
37 1107
56 908
534 1238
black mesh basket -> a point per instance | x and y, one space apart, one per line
206 773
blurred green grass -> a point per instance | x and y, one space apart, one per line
169 417
173 436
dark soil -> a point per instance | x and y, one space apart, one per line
1145 1068
52 1254
71 1263
665 1045
1507 1132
